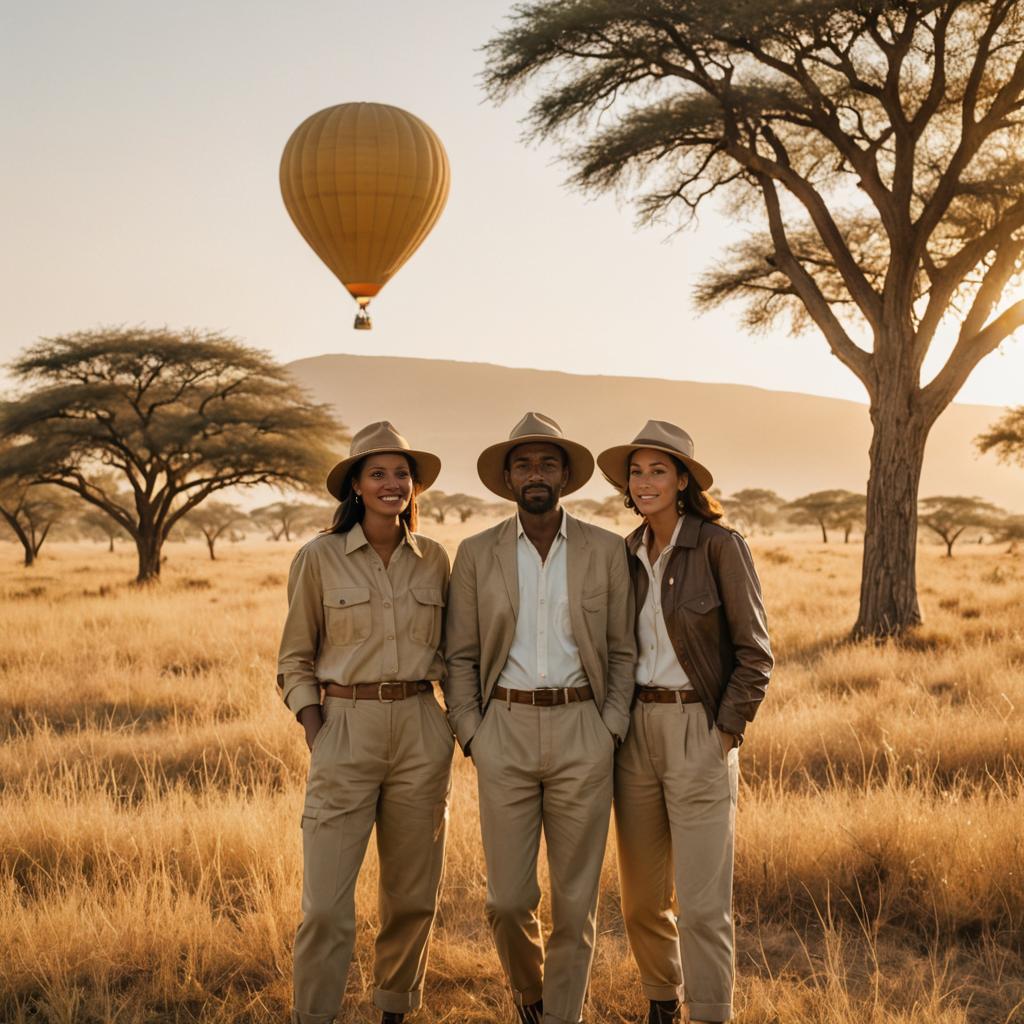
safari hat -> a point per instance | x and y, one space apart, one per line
662 437
373 440
534 426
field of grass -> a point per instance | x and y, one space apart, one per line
151 789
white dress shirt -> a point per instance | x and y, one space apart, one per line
543 652
657 664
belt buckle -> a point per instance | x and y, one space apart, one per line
380 694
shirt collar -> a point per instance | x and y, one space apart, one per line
644 540
356 539
562 531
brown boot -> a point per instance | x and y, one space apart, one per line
532 1014
664 1011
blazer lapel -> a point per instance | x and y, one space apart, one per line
578 565
505 555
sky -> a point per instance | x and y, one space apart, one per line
140 186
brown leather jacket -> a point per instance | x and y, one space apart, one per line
711 600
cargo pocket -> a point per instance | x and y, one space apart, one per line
428 607
347 614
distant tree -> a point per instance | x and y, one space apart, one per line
96 524
32 511
613 508
1009 531
466 505
879 144
821 509
753 509
850 514
176 416
435 504
213 519
285 519
950 516
583 508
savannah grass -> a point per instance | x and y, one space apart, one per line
151 788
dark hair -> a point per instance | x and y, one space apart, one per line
692 500
349 511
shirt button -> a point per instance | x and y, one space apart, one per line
387 604
389 637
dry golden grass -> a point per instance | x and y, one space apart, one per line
151 787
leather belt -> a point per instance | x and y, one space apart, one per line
661 695
384 692
545 698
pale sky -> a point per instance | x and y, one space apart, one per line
139 185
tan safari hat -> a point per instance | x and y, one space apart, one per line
662 437
534 426
373 440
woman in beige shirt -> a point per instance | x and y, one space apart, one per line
360 649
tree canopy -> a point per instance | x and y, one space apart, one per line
173 416
950 516
879 145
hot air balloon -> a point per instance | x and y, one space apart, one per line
364 184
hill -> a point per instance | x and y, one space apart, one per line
748 436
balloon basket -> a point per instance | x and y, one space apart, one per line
363 321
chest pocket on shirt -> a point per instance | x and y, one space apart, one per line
428 606
347 614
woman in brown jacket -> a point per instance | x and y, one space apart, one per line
703 663
361 646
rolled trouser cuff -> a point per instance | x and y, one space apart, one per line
528 996
397 1002
663 991
710 1011
311 1018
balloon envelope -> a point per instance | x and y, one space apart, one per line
364 184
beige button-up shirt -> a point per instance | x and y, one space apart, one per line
657 664
544 651
351 620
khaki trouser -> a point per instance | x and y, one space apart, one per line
387 764
675 815
544 767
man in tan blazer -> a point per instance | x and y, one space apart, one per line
541 653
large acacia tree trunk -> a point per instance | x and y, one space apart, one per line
149 546
888 587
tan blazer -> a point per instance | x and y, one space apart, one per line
483 602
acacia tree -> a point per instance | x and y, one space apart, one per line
213 519
823 509
173 416
880 141
950 516
284 518
753 508
31 511
1005 437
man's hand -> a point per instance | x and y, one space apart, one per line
728 741
311 719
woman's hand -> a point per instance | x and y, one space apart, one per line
728 741
311 719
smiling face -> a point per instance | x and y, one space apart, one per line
537 474
655 482
385 484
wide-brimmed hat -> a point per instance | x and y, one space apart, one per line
374 440
662 437
533 427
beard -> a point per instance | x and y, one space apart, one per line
537 499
